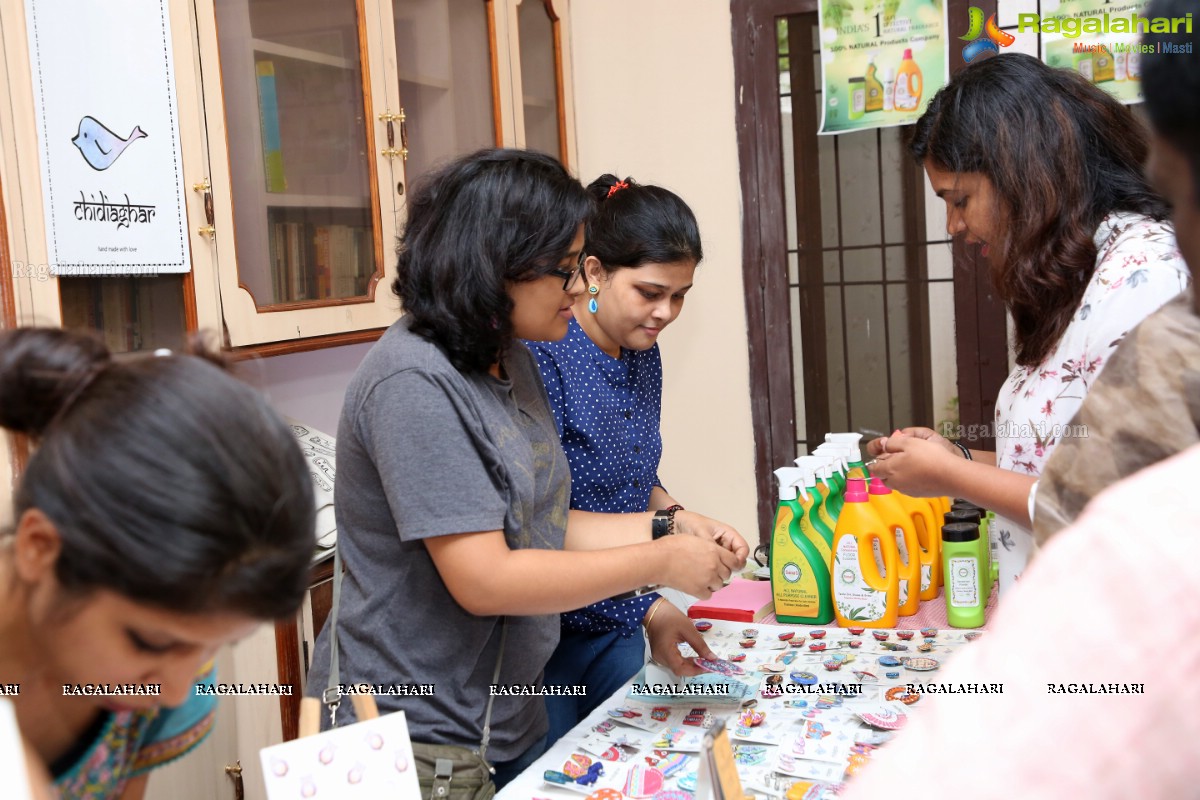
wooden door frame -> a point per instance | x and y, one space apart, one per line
980 321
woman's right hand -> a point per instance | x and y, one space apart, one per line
877 447
695 565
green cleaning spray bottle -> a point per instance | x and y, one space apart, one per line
799 572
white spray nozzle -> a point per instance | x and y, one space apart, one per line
838 451
850 440
792 481
820 465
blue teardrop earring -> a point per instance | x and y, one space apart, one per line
592 304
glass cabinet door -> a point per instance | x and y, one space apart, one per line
304 177
300 175
444 56
541 71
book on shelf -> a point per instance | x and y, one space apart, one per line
268 112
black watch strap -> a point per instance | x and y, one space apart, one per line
663 524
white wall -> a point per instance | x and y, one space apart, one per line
654 99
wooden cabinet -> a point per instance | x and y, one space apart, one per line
302 123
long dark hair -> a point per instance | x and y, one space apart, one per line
490 218
1061 154
636 225
169 481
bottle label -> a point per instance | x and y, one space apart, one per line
856 600
963 582
926 576
793 581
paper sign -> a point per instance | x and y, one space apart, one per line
369 759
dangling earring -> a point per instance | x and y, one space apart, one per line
592 304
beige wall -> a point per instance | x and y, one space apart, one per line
654 98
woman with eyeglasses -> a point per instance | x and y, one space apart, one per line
604 381
453 491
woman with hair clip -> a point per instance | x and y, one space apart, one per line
453 491
147 535
1078 245
604 381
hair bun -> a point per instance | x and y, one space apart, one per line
607 185
41 370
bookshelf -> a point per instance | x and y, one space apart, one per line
130 314
301 165
541 82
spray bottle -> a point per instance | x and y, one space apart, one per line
850 441
799 572
831 498
861 595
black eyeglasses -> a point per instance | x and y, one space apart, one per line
570 277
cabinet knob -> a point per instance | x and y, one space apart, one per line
207 230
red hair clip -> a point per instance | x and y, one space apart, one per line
616 187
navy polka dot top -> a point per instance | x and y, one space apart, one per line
607 411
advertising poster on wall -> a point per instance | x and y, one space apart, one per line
1100 39
881 61
108 137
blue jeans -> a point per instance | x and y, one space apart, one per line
600 661
507 770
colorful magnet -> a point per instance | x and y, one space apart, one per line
703 625
902 694
817 634
905 635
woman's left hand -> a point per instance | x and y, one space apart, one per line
694 524
669 628
915 466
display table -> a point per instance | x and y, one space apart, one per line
930 614
808 734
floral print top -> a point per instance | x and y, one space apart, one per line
129 743
1138 270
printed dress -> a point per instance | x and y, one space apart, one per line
1138 270
131 743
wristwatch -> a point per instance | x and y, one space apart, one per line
663 523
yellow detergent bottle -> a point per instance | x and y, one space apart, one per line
799 571
909 84
861 595
898 520
929 542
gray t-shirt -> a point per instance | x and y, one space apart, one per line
423 451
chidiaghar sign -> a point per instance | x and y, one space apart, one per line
1100 39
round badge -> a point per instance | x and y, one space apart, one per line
902 694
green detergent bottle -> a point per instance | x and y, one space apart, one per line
799 570
830 497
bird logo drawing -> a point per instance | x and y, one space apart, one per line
99 146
